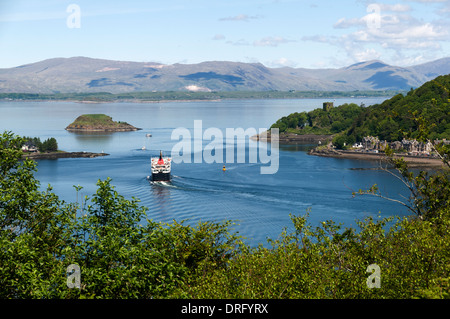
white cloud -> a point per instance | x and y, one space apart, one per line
402 34
366 55
345 23
238 42
389 29
219 37
317 38
264 42
270 42
394 7
240 17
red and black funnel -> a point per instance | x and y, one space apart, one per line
160 161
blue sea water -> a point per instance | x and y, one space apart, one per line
260 204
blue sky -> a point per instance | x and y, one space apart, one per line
277 33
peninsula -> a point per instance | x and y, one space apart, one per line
99 123
61 154
34 149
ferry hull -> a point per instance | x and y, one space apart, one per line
161 177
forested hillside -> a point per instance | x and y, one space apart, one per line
320 121
391 120
394 118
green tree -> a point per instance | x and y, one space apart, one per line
33 227
49 145
339 141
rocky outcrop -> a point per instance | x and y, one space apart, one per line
325 151
290 138
101 129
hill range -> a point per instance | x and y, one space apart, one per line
82 74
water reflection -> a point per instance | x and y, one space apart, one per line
297 147
161 195
92 135
93 140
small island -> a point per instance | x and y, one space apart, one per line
99 123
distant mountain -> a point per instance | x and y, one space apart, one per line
82 74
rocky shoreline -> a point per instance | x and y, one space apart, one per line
99 129
56 155
290 138
413 161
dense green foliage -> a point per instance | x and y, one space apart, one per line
331 262
184 95
49 145
122 254
391 120
94 119
395 117
319 121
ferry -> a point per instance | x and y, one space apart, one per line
161 167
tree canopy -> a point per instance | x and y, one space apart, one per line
123 254
394 118
318 121
49 145
391 120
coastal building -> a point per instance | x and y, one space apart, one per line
412 147
415 147
30 148
370 143
396 145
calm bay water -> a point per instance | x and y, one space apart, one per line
260 204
